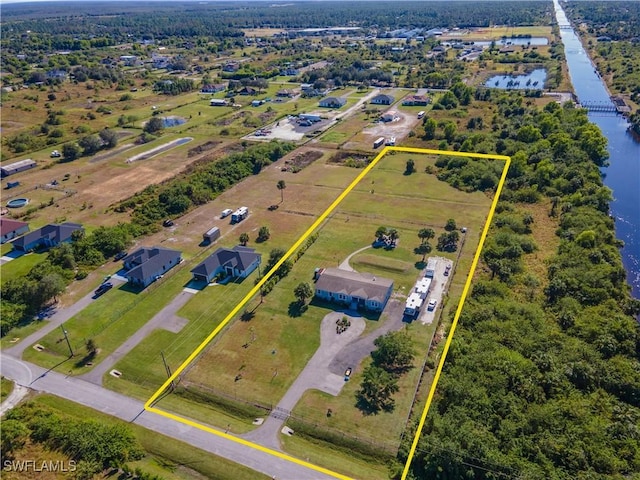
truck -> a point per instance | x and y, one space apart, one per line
240 214
211 235
378 143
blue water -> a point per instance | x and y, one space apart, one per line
623 173
533 41
530 81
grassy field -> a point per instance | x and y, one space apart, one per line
6 387
170 459
19 267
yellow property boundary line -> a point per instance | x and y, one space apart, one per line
148 406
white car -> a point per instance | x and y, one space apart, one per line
431 306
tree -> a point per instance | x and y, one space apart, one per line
244 239
410 167
393 236
423 249
450 225
448 241
426 234
450 131
90 144
70 152
395 352
281 186
263 234
376 390
430 126
92 348
154 125
109 137
381 232
302 292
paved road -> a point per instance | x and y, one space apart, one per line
165 318
57 319
316 375
130 410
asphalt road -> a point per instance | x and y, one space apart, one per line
112 403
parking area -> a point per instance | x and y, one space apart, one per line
291 128
439 285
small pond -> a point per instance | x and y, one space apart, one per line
172 121
532 41
531 81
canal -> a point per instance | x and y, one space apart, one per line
623 173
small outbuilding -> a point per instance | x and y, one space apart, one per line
211 235
15 167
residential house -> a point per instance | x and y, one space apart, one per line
57 75
389 116
286 93
333 102
231 67
236 262
357 290
382 99
213 88
146 265
47 236
218 102
248 91
289 71
10 229
416 100
130 60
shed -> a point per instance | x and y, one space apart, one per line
211 235
16 167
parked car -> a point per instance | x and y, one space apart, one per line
56 154
168 223
226 212
431 306
347 374
447 270
119 256
102 289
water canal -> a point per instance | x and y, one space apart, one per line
623 173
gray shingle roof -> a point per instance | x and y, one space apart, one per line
148 261
237 257
54 232
362 285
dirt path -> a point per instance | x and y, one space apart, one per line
345 263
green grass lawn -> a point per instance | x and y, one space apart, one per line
19 267
6 387
169 458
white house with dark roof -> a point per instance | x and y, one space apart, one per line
146 265
333 102
47 236
236 262
382 99
357 290
10 229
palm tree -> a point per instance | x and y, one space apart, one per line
263 234
426 234
393 236
244 239
302 292
281 186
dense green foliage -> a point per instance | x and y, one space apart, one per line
93 445
543 377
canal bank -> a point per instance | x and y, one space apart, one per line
622 175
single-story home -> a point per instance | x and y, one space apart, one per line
213 88
47 236
383 99
333 102
389 116
15 167
286 92
10 229
146 265
416 100
248 91
236 262
218 102
358 290
231 67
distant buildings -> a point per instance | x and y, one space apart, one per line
15 167
416 100
383 99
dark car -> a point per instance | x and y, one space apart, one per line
347 374
447 270
104 288
119 256
167 223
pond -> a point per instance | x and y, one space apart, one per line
533 41
172 121
532 81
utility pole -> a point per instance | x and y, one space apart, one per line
166 367
67 339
